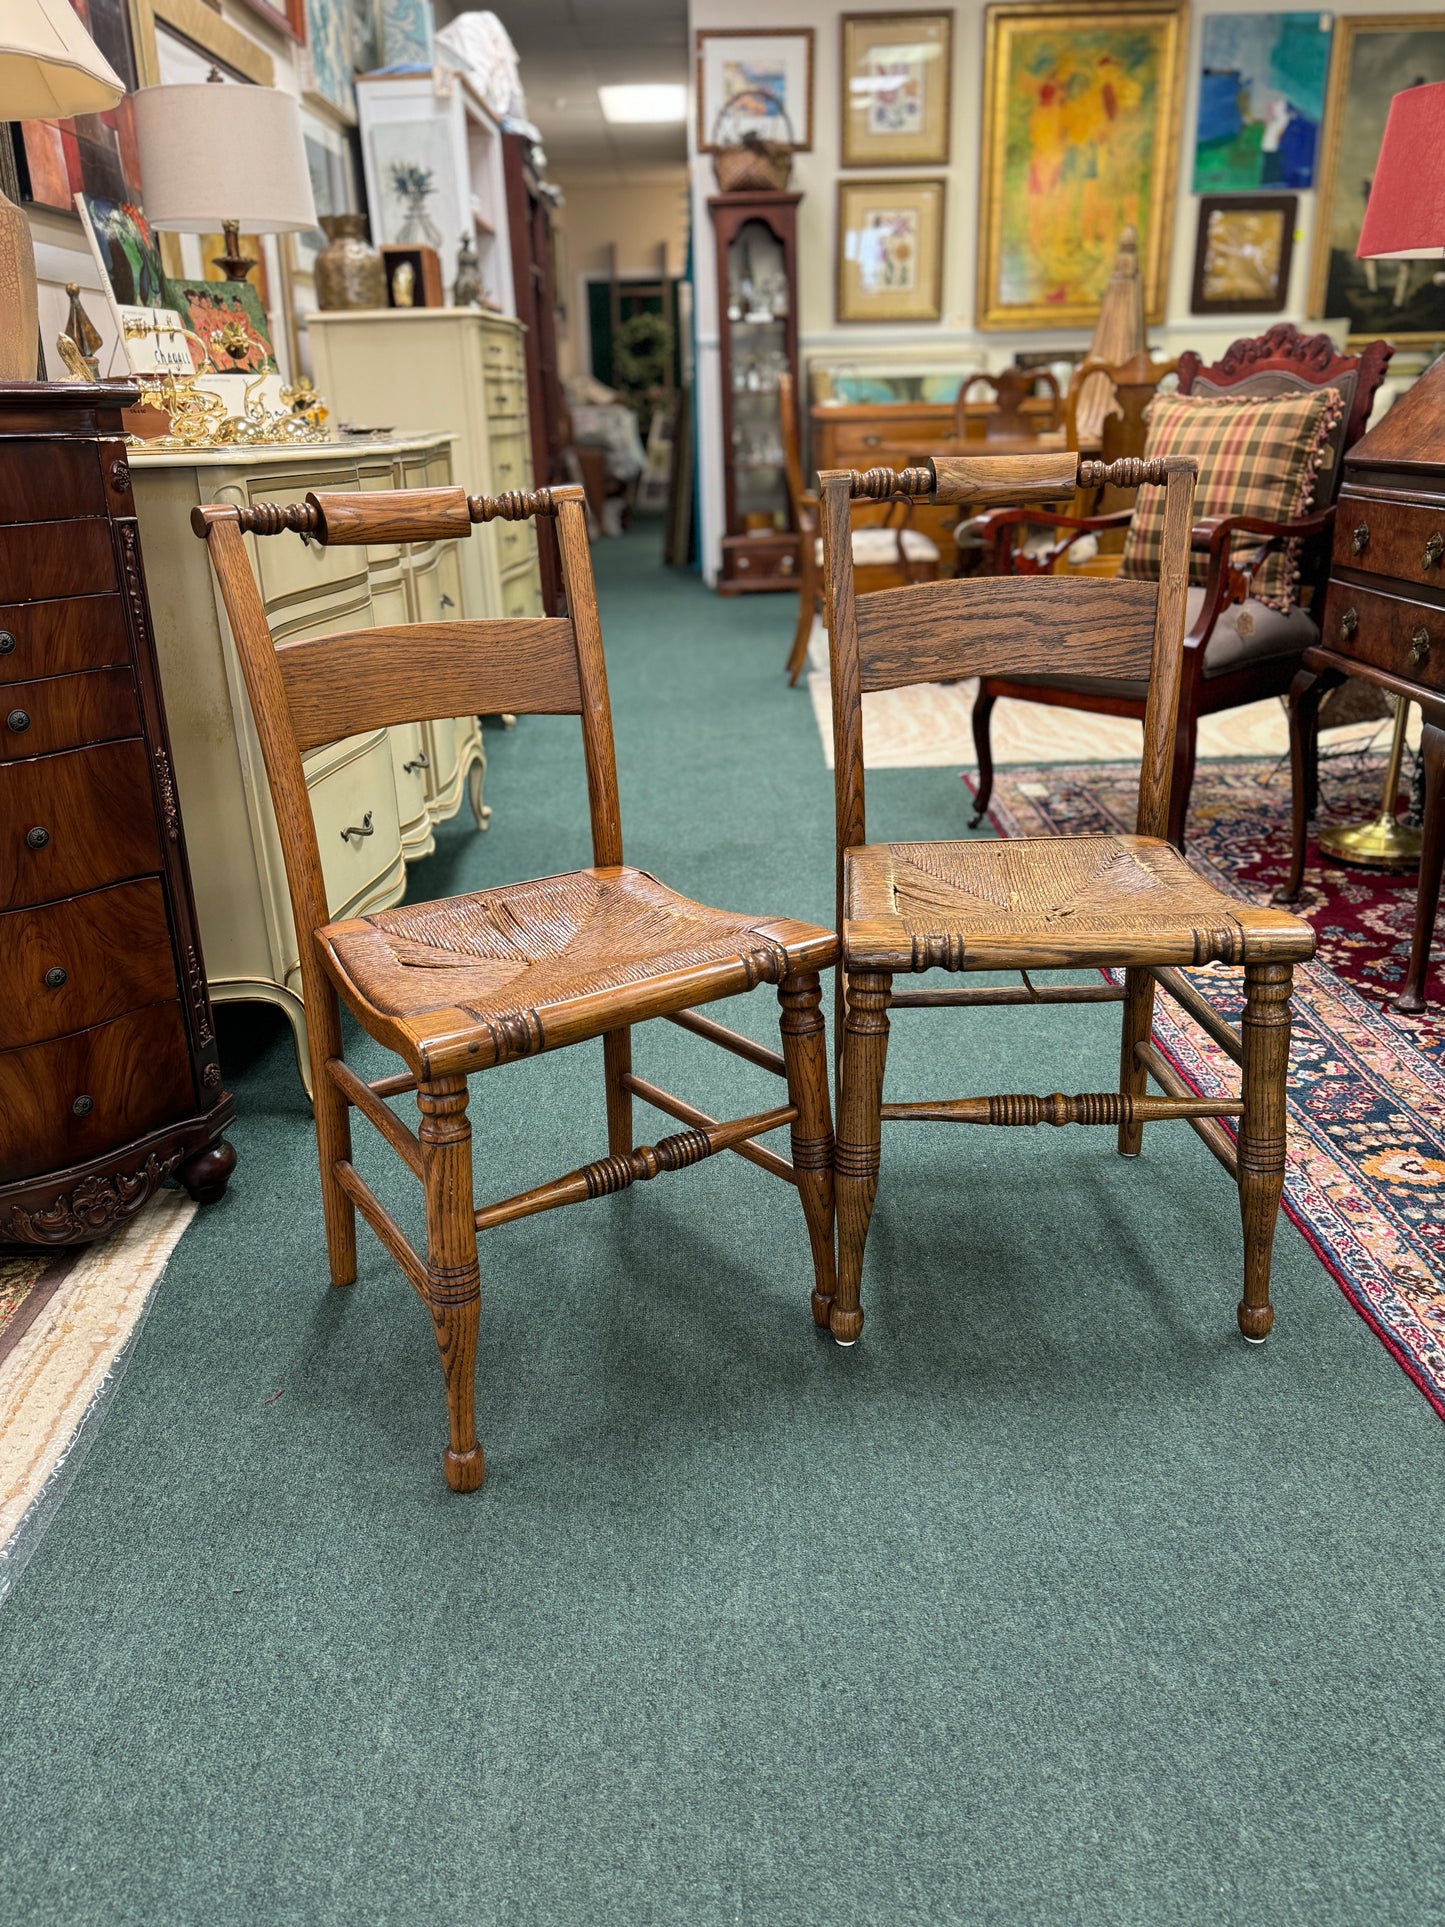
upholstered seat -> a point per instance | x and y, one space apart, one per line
877 548
1047 902
502 973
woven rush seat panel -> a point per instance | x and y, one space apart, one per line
1091 898
549 942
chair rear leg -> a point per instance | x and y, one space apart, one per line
453 1282
1267 989
983 750
798 654
616 1062
860 1133
1138 1026
333 1138
805 1052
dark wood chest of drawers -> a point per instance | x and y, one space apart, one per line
109 1076
1384 618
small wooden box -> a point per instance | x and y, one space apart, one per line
425 264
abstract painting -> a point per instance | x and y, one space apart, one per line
759 81
95 154
406 32
228 317
1261 100
1242 259
894 109
890 250
125 251
1080 134
1374 60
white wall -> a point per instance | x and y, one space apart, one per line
638 213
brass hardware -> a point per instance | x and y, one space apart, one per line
364 828
18 720
1419 646
7 642
83 1106
37 838
1359 540
872 441
419 761
1434 549
447 602
54 977
1349 622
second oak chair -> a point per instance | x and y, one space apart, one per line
460 985
1045 903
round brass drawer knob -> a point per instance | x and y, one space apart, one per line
83 1106
38 837
1419 646
7 642
18 720
1349 622
1360 538
55 977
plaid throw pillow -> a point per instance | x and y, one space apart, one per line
1257 455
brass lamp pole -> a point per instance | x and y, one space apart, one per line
1384 843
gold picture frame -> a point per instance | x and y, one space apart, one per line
1054 202
1355 109
890 250
895 88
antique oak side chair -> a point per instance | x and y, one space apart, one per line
1068 902
457 986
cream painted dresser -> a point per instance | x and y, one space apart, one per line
376 797
456 369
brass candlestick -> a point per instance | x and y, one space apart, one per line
1384 843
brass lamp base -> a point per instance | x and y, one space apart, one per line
233 264
1385 843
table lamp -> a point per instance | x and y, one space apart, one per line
222 155
50 69
1404 221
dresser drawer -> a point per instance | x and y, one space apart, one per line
509 463
50 481
521 595
1391 632
72 822
63 712
358 828
54 638
506 396
66 966
41 559
502 351
1401 539
77 1096
516 542
292 570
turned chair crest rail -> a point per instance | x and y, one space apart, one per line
1011 480
338 516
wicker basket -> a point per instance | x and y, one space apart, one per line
750 164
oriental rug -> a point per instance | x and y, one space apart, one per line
1366 1182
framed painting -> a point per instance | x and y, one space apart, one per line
890 250
1261 100
763 78
1081 131
895 106
125 251
1242 255
95 153
1375 56
229 318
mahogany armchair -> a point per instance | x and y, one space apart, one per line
455 987
1044 903
1236 650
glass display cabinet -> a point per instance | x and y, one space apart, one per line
757 237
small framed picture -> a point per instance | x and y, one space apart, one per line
890 250
1242 254
895 73
759 82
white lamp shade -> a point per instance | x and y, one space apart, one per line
50 68
220 152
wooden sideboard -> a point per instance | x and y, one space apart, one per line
455 369
377 796
109 1077
1384 620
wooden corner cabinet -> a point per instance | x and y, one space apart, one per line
109 1077
757 293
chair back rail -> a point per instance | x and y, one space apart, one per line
364 679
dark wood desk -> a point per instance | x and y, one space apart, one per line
1384 620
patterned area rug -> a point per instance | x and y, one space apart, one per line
1366 1180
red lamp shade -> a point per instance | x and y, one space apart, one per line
1405 215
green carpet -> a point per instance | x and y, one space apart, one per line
1052 1601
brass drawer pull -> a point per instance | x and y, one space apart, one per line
1434 549
38 837
1360 539
1419 646
54 977
83 1106
365 828
447 602
872 441
18 720
7 642
419 761
1349 622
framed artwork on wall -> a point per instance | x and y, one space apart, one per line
1242 254
1375 57
96 153
890 250
764 78
1261 100
1081 131
896 70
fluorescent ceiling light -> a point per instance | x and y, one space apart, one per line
629 106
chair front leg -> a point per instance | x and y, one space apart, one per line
453 1281
1261 1149
805 1053
860 1133
1138 1027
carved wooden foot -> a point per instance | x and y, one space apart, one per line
206 1174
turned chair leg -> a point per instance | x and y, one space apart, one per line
1138 1027
1261 1149
453 1283
333 1143
860 1132
616 1063
1186 749
805 1052
983 752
